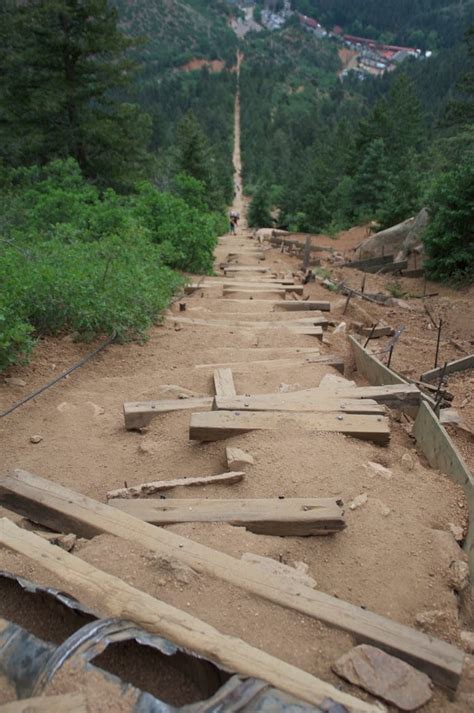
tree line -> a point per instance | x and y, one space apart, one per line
104 198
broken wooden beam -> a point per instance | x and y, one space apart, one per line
161 486
115 598
312 305
313 400
217 425
330 360
63 510
224 382
290 517
138 414
466 362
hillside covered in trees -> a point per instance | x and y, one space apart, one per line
327 153
116 135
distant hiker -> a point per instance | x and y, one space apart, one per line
309 277
232 222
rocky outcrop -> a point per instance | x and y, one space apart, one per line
400 239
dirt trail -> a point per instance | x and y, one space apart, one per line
388 559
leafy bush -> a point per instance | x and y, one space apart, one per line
73 259
449 238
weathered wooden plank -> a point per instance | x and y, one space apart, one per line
304 326
118 599
382 331
291 517
452 366
442 454
217 425
312 305
374 262
371 368
65 703
160 486
248 284
138 414
315 400
63 510
224 382
416 272
393 267
394 395
330 359
246 268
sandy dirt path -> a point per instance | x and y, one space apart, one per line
389 559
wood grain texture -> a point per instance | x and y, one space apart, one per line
138 414
224 382
310 400
115 598
218 425
295 517
161 486
63 510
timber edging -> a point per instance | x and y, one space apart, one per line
431 437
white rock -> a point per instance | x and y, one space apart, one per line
341 328
36 439
457 532
408 462
14 381
237 459
332 381
459 575
380 470
359 501
467 640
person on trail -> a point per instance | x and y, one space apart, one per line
233 222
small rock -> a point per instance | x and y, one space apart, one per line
237 459
359 501
459 575
408 462
467 640
384 509
429 620
14 381
149 447
380 470
385 676
36 439
66 542
180 572
341 328
457 532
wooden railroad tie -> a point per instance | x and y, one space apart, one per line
62 510
291 517
218 425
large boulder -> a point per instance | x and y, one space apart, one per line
400 239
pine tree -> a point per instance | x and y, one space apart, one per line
259 209
62 64
371 180
194 157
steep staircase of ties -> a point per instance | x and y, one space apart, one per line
256 386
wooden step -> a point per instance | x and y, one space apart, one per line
330 360
291 517
304 305
111 597
218 425
298 401
138 414
62 510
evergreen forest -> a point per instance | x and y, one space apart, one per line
116 136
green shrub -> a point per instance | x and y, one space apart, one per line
449 238
72 259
